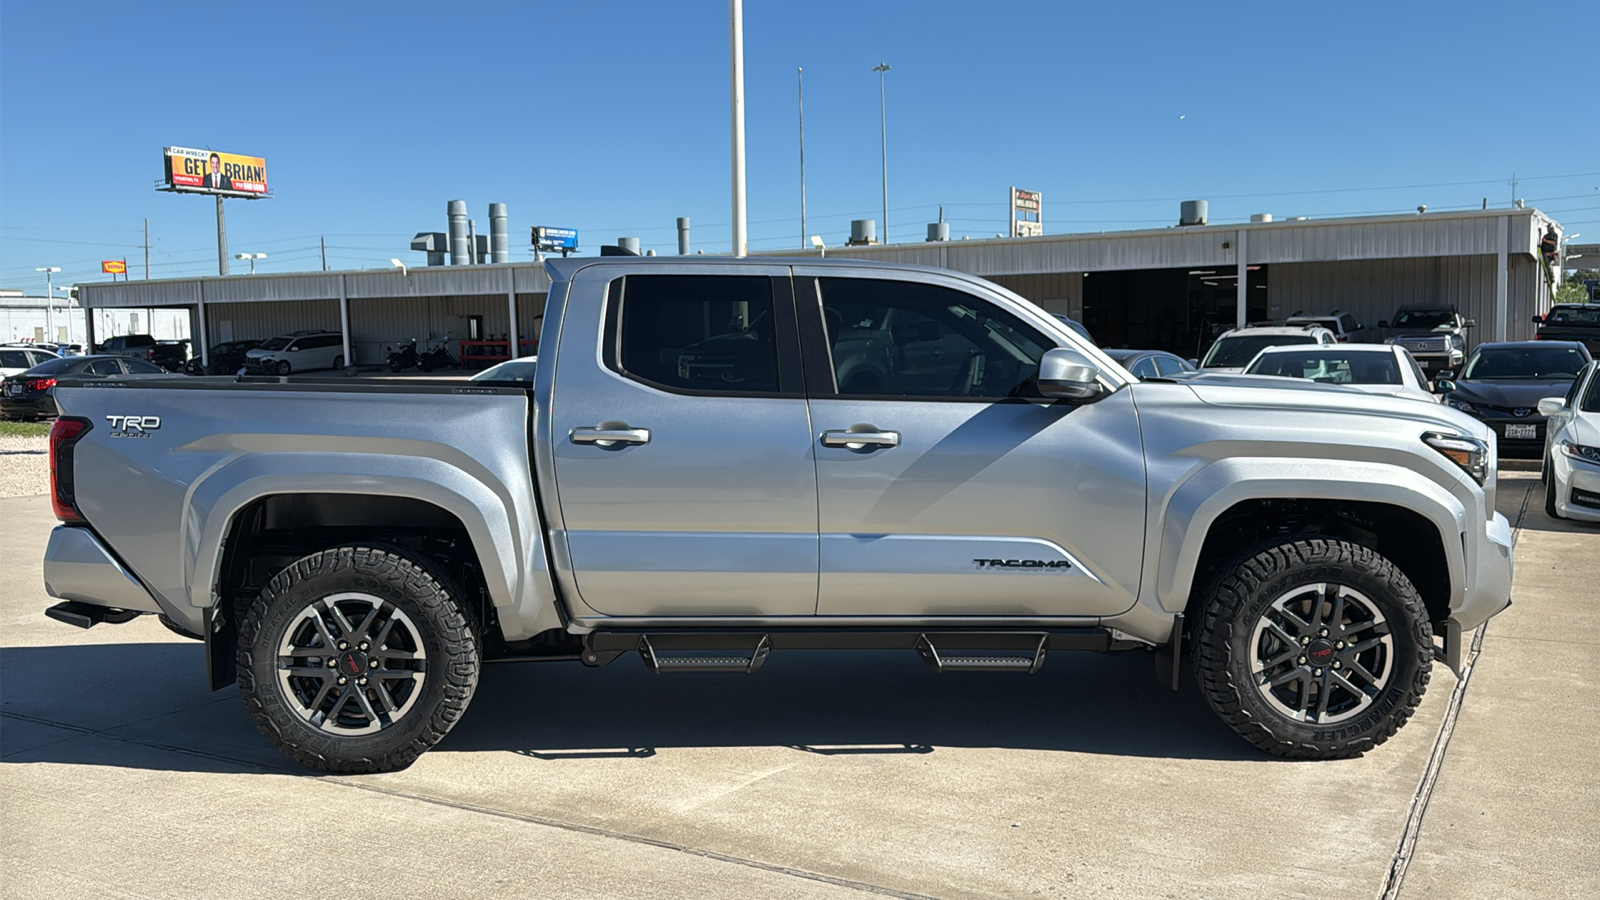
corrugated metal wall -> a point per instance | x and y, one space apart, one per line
1060 292
259 321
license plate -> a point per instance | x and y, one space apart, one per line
1522 432
13 389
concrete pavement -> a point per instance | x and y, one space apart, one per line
823 775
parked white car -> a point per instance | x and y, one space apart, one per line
1374 368
301 351
1234 350
1572 449
16 360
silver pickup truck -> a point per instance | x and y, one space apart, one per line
724 459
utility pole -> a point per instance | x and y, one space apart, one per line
323 241
736 89
883 131
146 249
222 240
800 81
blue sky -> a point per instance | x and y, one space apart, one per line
613 118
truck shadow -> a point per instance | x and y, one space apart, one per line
141 706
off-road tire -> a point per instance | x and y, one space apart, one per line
423 594
1241 595
1550 491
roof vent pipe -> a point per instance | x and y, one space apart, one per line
1261 217
938 231
1193 212
460 248
499 234
863 231
683 235
630 244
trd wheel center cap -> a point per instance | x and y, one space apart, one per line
1320 653
353 664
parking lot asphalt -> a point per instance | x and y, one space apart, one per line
825 775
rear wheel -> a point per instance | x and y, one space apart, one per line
357 659
338 362
1313 648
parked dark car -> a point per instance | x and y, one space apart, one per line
1503 383
32 394
1151 363
169 355
226 359
1571 322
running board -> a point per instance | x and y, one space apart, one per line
697 660
979 652
87 615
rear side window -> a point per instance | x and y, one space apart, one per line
14 359
140 367
1166 365
103 367
695 333
1144 368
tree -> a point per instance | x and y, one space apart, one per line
1573 289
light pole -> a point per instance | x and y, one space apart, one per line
800 84
252 257
49 299
736 90
883 131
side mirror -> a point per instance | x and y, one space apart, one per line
1549 406
1470 323
1068 375
1383 323
1443 385
1193 362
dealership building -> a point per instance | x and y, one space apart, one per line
1169 288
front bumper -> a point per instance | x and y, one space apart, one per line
1575 483
1488 591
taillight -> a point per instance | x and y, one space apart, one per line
40 384
63 434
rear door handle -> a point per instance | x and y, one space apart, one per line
867 436
609 435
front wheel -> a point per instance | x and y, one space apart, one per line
357 659
282 367
1313 648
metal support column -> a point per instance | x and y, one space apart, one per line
205 330
88 331
511 303
222 241
344 324
1502 268
1244 278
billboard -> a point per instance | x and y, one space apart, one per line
114 266
1027 213
214 172
563 239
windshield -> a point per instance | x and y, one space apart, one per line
1589 315
1425 318
1234 352
52 366
1524 362
1329 366
277 343
1591 400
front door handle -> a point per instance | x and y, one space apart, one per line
860 437
610 434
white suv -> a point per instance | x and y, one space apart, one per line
1234 350
300 351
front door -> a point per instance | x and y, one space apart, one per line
949 487
683 461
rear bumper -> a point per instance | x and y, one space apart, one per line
77 566
35 404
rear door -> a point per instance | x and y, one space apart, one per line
682 446
954 489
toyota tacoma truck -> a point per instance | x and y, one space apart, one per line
691 481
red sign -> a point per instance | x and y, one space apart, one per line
114 267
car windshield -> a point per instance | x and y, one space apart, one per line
53 366
1591 400
1425 318
1524 362
1574 315
1329 367
510 370
277 343
1235 351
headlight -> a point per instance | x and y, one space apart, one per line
1471 454
1581 451
1462 405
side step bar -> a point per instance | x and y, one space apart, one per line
87 615
715 650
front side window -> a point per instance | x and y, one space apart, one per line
140 367
698 333
905 339
1170 365
1144 368
104 367
277 343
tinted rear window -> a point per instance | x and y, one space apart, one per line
1236 351
52 367
1360 367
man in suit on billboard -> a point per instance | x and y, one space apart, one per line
214 179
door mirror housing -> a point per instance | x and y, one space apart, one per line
1470 323
1383 323
1538 320
1550 406
1443 385
1193 362
1066 374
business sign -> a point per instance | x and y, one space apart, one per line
1027 213
563 239
114 266
213 172
1588 253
